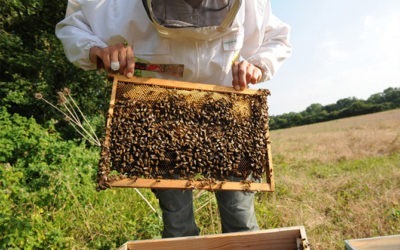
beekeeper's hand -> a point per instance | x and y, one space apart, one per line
244 73
115 58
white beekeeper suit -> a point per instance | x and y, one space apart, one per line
254 35
206 36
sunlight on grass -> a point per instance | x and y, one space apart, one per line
340 179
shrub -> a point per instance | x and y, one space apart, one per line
35 165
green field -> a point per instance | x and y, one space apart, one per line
340 179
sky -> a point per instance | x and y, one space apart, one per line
341 49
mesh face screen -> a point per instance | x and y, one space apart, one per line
171 133
190 13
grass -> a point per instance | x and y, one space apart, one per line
340 179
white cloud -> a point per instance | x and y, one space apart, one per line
331 51
382 38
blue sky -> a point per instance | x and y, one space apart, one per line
342 48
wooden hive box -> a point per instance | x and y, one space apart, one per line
174 134
289 238
391 242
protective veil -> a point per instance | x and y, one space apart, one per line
193 19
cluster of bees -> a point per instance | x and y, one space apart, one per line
177 138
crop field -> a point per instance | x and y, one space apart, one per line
340 179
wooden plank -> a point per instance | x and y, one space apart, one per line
110 112
184 85
188 184
270 175
376 243
276 239
303 244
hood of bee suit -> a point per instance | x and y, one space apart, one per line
193 19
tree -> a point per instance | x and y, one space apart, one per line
32 60
392 95
314 109
345 103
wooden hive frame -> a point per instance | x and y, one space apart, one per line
105 180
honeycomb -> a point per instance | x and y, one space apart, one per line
168 132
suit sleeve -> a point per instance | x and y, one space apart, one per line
267 37
77 36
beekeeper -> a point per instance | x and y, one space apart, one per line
228 42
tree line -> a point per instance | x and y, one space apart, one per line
388 99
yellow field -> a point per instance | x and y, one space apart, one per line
345 139
340 179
